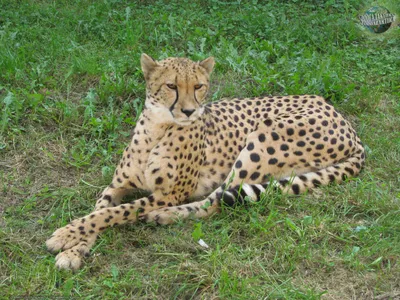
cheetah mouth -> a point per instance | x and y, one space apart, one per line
184 122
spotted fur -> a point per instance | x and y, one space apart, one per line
230 151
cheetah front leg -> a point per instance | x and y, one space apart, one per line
199 209
209 206
78 237
126 180
76 248
111 197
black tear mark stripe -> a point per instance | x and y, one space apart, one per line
177 96
195 98
176 100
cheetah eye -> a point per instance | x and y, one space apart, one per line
198 86
171 86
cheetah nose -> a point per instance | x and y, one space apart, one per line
188 112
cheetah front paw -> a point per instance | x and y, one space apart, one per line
62 239
71 259
67 237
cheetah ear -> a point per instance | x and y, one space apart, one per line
148 64
208 64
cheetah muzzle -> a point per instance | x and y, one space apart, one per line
230 151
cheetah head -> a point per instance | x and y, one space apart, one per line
176 88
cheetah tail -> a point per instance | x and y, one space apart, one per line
338 173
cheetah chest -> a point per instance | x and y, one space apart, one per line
173 163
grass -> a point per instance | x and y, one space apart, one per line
70 91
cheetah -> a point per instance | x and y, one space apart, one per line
214 154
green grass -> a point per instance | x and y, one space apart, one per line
70 91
